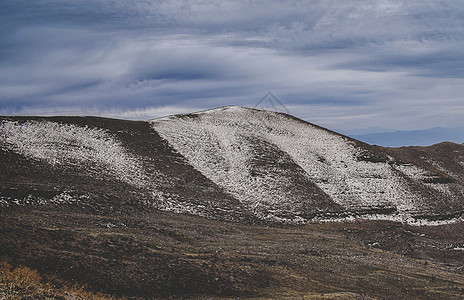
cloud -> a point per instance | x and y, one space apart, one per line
355 63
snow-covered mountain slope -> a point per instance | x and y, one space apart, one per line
71 145
230 163
103 165
225 145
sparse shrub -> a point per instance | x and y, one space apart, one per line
26 283
17 282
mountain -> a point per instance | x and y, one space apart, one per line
230 163
260 203
287 169
424 137
364 131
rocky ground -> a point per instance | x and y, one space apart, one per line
150 254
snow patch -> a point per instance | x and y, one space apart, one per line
71 145
65 197
404 218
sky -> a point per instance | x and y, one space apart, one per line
341 64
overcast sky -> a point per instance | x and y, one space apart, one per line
341 64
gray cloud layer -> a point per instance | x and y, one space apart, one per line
342 64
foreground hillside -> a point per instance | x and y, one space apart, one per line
260 204
160 255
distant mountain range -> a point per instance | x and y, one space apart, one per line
394 138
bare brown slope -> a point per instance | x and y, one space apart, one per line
446 158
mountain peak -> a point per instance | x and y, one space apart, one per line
221 109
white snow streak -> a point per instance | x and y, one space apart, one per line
71 145
216 143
